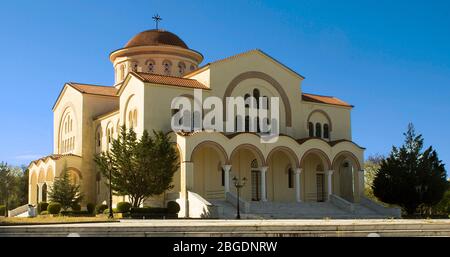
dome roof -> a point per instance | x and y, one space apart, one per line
156 37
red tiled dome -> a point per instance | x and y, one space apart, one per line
156 37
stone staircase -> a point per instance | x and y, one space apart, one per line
304 210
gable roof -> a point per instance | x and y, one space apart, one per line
324 100
87 89
233 57
169 80
94 89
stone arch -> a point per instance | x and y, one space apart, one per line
263 76
41 175
321 154
218 148
50 174
76 171
321 112
347 154
127 109
255 150
288 151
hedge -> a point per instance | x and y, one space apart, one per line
76 207
90 208
54 208
42 206
2 210
173 207
99 209
123 207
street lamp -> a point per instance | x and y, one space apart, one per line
238 183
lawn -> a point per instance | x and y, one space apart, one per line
42 220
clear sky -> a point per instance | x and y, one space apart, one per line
391 59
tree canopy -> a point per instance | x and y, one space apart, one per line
410 177
64 191
139 168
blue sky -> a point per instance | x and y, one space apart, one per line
391 59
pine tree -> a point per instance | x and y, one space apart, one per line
409 177
139 168
64 191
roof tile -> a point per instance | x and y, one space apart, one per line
171 81
324 100
94 89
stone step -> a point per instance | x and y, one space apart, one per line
239 228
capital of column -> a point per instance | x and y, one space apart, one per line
330 172
263 169
226 168
298 171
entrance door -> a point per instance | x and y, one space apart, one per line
256 180
320 187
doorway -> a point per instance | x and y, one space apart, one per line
320 187
256 181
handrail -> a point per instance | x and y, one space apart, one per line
342 203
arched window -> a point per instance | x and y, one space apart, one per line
247 123
181 68
192 67
318 130
167 67
246 96
98 179
134 66
150 66
66 134
290 178
326 131
311 129
223 177
256 95
135 118
99 139
265 103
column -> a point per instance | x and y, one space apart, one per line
186 184
263 171
359 191
298 197
39 197
226 170
330 181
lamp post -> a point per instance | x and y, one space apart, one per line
111 215
238 183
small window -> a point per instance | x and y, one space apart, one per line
256 96
246 96
311 129
151 66
181 68
318 130
134 66
247 123
326 131
167 66
192 67
290 178
254 164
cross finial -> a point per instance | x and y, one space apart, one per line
157 19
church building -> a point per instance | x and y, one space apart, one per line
314 169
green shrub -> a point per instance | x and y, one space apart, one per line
123 207
42 206
99 209
44 213
90 208
173 207
54 208
106 211
76 207
2 210
144 210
